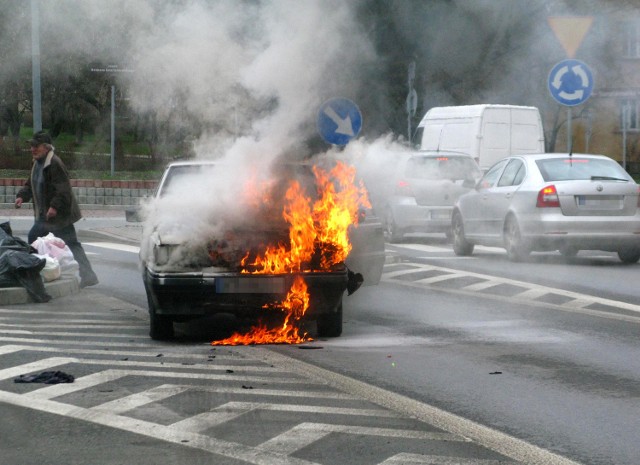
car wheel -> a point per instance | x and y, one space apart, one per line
330 324
569 251
629 255
449 235
460 245
160 326
517 249
392 232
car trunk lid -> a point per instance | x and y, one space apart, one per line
597 198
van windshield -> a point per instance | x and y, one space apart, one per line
442 167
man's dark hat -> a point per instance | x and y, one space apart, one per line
40 137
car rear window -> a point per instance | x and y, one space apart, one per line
444 167
576 168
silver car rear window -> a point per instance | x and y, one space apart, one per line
443 167
576 168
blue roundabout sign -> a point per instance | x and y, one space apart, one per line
570 82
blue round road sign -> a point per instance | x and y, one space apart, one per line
339 121
570 82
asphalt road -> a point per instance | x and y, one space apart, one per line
549 365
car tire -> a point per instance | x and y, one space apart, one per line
330 324
449 235
629 255
517 248
461 246
160 326
392 232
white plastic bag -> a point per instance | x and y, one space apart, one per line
51 270
55 247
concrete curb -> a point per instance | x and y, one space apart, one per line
59 288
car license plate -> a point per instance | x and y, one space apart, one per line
251 285
599 202
440 215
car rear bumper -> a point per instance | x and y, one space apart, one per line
589 233
367 256
189 295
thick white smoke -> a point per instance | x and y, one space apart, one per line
255 74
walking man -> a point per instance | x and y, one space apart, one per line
54 205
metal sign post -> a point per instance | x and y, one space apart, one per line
113 130
412 98
626 111
570 83
112 69
35 66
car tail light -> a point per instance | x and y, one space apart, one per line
362 215
404 188
548 197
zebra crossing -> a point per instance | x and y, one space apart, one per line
244 403
416 274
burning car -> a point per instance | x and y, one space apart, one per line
283 247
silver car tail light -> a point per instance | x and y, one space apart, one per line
548 197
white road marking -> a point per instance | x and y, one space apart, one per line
74 343
114 246
139 399
69 350
273 451
35 366
531 292
448 249
458 426
156 431
418 459
105 376
232 410
111 324
307 433
68 334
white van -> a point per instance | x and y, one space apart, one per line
486 132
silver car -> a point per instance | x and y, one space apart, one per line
551 201
420 194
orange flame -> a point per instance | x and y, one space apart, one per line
294 306
318 240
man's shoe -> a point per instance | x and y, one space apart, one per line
89 282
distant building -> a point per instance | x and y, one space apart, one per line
599 126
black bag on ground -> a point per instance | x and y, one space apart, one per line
19 267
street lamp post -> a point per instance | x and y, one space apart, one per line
35 65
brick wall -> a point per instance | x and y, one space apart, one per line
96 192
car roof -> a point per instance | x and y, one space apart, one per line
435 154
540 156
193 163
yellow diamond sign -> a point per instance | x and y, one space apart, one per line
570 31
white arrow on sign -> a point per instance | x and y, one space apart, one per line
579 71
344 124
576 95
557 79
